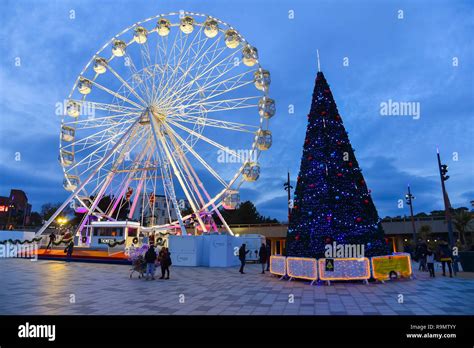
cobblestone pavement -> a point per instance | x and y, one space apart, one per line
49 287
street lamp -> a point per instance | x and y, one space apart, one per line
288 188
443 170
61 221
409 200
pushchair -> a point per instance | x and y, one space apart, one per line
139 266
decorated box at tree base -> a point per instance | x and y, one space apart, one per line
278 265
302 268
344 269
391 266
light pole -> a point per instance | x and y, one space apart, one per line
288 188
443 170
409 200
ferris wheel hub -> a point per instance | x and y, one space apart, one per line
158 113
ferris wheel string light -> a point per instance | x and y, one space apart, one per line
150 111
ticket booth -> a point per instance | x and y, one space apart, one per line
102 234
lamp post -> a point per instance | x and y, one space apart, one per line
409 200
61 221
288 188
443 170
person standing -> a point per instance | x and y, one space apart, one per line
421 250
445 256
69 249
165 260
242 255
263 256
52 239
430 258
150 259
269 253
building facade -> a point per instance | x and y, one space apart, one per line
14 210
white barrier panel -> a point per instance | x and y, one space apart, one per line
344 269
221 251
278 265
184 250
13 235
302 268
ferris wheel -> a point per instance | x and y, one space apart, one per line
173 110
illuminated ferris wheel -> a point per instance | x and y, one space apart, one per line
173 108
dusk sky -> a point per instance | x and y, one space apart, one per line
426 57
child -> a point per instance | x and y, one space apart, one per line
430 258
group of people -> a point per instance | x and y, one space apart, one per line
263 255
67 250
163 259
427 258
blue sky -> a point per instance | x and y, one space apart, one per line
409 59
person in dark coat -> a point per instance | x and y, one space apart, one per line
446 257
242 255
263 256
69 249
421 253
52 239
150 259
165 261
269 253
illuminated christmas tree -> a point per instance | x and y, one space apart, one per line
331 199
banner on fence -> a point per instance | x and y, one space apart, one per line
391 266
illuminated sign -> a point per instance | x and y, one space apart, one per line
106 240
3 208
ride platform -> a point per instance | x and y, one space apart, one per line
84 255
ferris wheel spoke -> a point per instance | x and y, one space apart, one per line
180 65
207 69
176 63
111 122
110 174
117 95
209 122
125 83
136 77
212 87
96 138
199 107
207 140
106 107
190 172
96 155
197 156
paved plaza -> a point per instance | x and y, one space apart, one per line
49 287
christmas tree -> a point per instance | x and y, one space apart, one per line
331 200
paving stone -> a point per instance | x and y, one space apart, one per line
44 288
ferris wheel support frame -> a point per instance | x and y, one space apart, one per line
105 185
89 178
193 175
129 179
159 137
